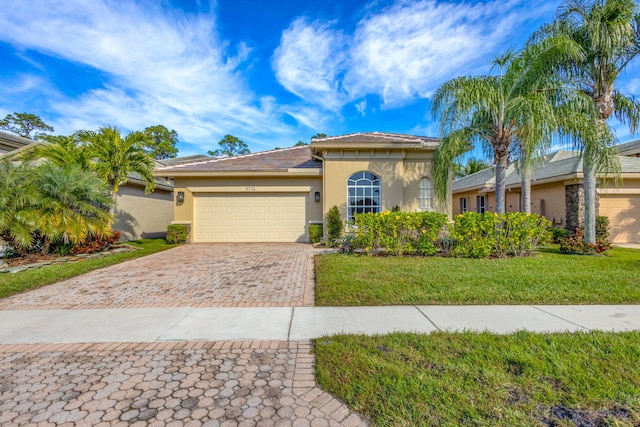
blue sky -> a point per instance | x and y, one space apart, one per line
270 73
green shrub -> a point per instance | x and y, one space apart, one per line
603 226
177 234
559 234
315 233
476 235
334 225
399 233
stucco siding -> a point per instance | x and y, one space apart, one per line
140 215
399 175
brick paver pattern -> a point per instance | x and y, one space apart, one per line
196 275
173 384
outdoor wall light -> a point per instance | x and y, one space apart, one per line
180 197
317 197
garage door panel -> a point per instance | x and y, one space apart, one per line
623 212
264 217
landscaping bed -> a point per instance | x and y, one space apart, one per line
581 379
548 277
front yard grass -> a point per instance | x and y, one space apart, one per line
11 284
548 278
480 379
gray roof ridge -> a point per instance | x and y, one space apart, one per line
222 159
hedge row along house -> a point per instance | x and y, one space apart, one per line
557 193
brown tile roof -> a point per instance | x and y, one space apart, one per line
378 137
274 160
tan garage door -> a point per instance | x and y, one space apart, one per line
264 217
623 211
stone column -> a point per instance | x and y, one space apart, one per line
574 199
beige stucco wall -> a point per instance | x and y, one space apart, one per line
142 215
184 213
551 198
400 174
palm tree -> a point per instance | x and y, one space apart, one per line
517 107
61 150
608 34
116 157
72 204
472 166
18 197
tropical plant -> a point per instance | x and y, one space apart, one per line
230 146
608 34
516 107
64 151
117 157
472 166
18 197
72 204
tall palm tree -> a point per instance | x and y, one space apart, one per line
516 106
18 197
116 157
73 204
608 34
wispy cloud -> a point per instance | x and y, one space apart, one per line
161 66
310 60
400 53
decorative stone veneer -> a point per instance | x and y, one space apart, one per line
574 199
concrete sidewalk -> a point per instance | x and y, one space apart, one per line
299 323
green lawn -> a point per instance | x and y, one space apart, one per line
548 278
470 379
11 284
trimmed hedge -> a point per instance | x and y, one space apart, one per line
476 235
472 235
315 233
399 232
177 234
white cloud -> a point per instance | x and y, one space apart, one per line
400 53
161 66
361 107
309 62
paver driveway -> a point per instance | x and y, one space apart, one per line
197 275
232 383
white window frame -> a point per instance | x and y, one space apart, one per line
365 185
425 194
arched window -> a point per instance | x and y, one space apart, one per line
425 196
363 194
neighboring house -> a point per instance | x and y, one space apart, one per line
273 196
9 142
631 149
557 193
138 215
